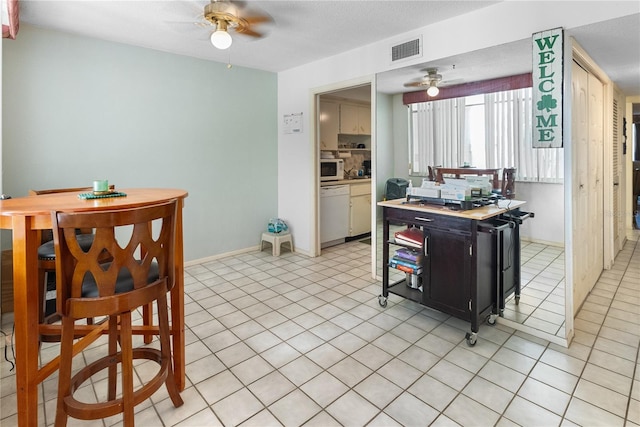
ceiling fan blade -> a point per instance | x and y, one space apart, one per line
258 19
188 27
450 82
248 32
421 83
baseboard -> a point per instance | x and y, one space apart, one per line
235 253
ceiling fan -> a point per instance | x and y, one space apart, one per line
226 15
430 81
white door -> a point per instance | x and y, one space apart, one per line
580 161
596 180
588 151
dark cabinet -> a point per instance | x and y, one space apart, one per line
447 272
467 266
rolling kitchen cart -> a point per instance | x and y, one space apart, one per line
470 259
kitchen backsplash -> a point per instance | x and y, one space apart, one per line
353 163
351 144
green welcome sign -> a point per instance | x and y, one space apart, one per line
547 88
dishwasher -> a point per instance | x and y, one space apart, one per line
334 214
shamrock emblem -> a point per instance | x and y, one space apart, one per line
547 103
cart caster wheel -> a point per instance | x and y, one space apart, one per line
472 338
491 319
382 301
517 299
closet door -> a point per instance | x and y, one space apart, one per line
587 158
595 180
580 200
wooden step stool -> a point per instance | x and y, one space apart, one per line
276 239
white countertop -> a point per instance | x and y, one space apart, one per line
346 181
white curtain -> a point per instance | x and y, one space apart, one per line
438 134
508 138
10 19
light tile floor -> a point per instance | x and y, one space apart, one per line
295 341
541 305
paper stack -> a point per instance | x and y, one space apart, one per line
427 189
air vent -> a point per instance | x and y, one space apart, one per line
405 50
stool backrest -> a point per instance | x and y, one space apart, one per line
149 234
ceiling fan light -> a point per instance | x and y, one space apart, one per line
433 89
221 39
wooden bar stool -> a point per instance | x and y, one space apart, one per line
141 271
47 257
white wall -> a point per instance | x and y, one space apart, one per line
400 137
77 109
629 204
383 167
495 25
546 201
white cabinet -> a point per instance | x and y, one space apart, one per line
329 125
355 119
360 209
364 120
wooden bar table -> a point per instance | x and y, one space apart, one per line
25 216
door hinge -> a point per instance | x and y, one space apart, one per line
470 250
470 305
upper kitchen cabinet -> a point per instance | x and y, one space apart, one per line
329 125
355 119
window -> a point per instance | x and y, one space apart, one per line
485 131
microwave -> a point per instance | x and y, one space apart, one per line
331 169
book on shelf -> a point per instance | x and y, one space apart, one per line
406 262
406 269
405 265
409 254
411 237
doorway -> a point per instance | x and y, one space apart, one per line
344 124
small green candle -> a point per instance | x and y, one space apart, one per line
100 185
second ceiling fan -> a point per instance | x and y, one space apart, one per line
429 81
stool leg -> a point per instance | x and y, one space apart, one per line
147 315
127 368
42 294
165 348
276 247
113 349
64 374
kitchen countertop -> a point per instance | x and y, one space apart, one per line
480 213
346 181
